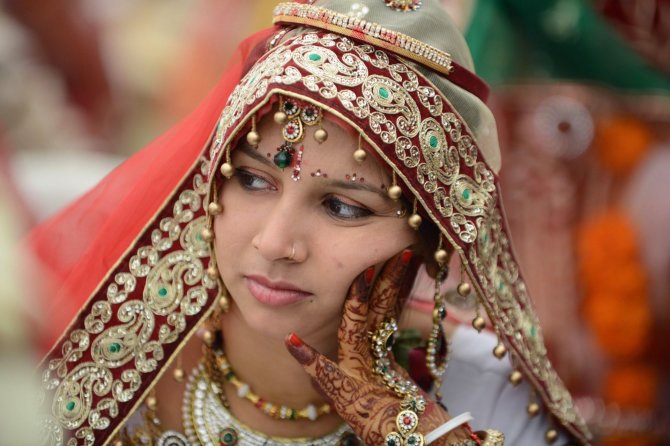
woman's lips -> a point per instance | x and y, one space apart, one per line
274 293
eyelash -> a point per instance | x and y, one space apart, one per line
332 204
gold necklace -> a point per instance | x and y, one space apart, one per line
219 367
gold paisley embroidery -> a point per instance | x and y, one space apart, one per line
390 98
441 159
73 401
129 333
130 340
468 197
324 64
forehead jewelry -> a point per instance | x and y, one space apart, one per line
294 119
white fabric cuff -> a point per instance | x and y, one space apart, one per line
448 427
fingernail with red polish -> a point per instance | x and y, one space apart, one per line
295 340
406 256
369 275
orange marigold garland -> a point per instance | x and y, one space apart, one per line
621 142
616 309
615 300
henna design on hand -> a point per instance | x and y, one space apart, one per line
357 394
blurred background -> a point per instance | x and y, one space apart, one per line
581 93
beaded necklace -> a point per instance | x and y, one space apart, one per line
218 362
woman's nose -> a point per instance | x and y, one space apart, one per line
279 238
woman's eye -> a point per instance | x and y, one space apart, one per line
251 181
344 211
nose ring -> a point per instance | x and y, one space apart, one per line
291 257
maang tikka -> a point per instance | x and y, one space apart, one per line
294 119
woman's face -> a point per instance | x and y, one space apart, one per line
335 221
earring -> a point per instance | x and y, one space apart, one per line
415 219
437 350
359 153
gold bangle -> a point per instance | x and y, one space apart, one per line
491 437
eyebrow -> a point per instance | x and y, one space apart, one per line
342 184
247 150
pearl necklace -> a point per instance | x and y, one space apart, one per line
208 422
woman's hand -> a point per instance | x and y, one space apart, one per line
356 393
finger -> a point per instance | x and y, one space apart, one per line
387 288
353 349
326 375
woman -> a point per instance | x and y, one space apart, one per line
346 153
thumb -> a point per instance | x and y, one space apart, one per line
326 374
303 353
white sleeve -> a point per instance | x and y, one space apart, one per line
477 382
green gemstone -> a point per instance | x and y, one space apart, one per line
411 441
466 194
533 331
70 406
114 347
314 57
282 159
390 442
228 437
198 237
383 92
433 141
162 291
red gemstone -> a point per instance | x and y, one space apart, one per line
407 420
